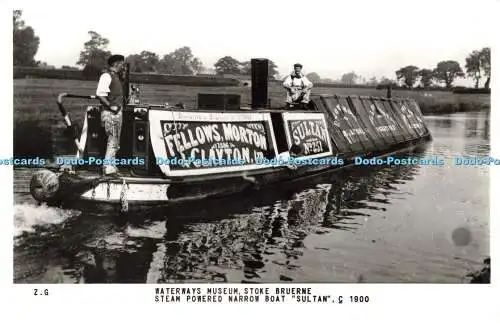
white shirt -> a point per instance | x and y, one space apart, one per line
296 82
103 85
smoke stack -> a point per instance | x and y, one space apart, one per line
260 70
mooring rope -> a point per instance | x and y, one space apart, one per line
123 198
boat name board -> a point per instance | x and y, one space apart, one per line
308 131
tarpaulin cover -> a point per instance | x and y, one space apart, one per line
408 119
384 115
416 113
346 122
406 132
381 137
357 124
363 124
340 143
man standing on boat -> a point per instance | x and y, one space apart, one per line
110 93
298 87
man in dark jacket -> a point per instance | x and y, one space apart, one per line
110 93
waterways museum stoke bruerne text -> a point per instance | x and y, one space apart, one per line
249 294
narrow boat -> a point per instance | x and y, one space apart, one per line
172 154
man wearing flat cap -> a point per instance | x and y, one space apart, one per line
110 93
298 87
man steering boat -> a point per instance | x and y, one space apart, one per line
110 93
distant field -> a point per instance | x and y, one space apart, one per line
35 109
35 98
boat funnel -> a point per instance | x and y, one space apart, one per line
260 72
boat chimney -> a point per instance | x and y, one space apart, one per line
260 69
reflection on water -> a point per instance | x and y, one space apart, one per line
267 242
380 224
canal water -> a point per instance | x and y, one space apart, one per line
368 224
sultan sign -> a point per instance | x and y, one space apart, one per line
308 131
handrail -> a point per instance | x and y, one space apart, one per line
67 119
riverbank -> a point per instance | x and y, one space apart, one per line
454 103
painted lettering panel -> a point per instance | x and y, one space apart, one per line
194 143
310 132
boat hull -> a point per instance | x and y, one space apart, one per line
146 193
333 132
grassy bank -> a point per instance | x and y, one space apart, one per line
21 72
35 98
36 114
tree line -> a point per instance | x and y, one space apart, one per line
179 62
477 65
183 62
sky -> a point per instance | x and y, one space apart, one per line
371 38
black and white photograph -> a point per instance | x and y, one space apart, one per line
262 144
